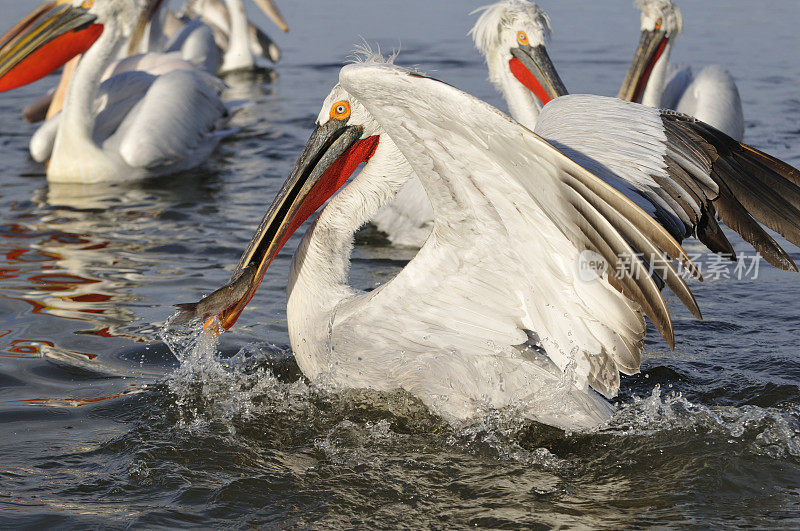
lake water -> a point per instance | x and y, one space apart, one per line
103 427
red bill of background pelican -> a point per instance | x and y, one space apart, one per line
710 96
157 126
492 311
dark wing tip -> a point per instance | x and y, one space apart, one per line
753 188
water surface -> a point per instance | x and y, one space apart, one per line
103 426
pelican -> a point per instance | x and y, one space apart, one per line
192 41
710 96
244 45
155 126
492 312
512 35
193 47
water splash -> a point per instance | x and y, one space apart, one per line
773 432
499 433
209 388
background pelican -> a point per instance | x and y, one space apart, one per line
155 126
244 45
191 40
492 312
512 35
710 96
193 47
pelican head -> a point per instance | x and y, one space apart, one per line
346 136
661 21
513 35
56 32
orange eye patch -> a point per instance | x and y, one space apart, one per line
340 110
522 38
658 24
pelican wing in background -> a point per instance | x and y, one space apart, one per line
175 122
115 99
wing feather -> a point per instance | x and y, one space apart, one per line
509 228
641 245
515 208
179 112
701 173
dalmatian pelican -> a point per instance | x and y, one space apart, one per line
710 96
136 125
492 312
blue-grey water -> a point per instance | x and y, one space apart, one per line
103 427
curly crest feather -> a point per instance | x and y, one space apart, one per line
365 53
510 15
666 10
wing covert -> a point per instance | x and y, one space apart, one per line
178 113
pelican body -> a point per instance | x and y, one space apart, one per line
192 47
142 127
244 46
492 313
710 96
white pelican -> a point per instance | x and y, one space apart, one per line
155 126
192 41
710 96
244 45
492 312
192 47
512 35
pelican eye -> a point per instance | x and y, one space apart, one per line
87 4
340 110
522 38
659 22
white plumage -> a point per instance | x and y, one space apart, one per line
408 219
495 34
191 40
136 124
492 311
243 45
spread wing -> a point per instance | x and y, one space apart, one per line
512 215
683 172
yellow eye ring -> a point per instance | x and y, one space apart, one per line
522 38
658 24
87 4
340 110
